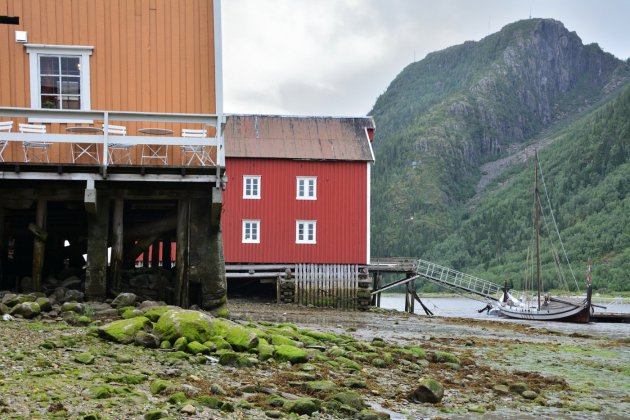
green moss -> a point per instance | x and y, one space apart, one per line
277 340
101 391
350 398
197 348
288 325
347 363
302 406
228 358
165 344
241 339
130 379
131 313
176 323
444 357
84 358
220 342
265 350
155 312
321 386
321 336
155 414
123 331
177 398
284 353
159 385
210 402
181 344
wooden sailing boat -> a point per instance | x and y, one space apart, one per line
549 308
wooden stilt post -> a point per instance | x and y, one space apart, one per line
39 244
96 272
117 245
166 253
412 290
181 279
155 255
3 252
146 258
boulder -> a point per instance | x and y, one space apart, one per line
529 395
321 386
10 300
301 406
124 330
145 339
44 304
84 358
26 309
429 390
285 353
72 307
351 399
241 339
195 326
124 299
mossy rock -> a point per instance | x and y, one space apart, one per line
518 387
529 394
181 344
278 340
321 336
148 340
419 353
159 386
179 355
302 406
155 414
321 386
210 402
285 353
176 323
155 312
197 348
228 358
84 358
351 399
75 307
428 391
124 330
129 379
177 398
444 357
501 389
26 309
368 414
336 351
241 339
355 383
347 363
165 345
101 391
265 350
379 363
131 313
220 343
44 304
288 325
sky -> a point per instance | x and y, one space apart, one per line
335 57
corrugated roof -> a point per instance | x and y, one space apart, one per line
290 137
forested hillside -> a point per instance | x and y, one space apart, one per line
445 116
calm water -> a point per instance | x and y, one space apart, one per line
467 308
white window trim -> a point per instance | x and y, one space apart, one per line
297 232
251 197
297 188
249 240
84 52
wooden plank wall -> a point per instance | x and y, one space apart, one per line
327 285
149 55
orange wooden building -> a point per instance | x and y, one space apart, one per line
115 105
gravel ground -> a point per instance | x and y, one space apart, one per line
572 375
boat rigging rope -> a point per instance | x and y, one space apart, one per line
542 177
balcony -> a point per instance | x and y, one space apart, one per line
112 145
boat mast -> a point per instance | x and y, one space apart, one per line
536 204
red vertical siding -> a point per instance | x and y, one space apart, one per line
340 211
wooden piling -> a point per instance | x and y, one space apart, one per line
39 245
155 255
181 276
96 271
3 250
117 245
166 253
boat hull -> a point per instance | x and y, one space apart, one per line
569 313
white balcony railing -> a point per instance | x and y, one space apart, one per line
97 119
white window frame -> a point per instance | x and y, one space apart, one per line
305 239
304 180
256 178
250 240
83 52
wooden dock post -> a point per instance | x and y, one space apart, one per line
166 253
96 271
39 244
214 288
117 245
181 276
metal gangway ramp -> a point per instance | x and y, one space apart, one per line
450 278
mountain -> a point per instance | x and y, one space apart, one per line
531 84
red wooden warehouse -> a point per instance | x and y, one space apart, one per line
298 192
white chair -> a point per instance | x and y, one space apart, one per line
6 126
118 153
38 150
195 153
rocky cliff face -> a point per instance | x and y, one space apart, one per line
442 117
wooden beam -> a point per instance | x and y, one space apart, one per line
39 245
96 272
117 244
181 276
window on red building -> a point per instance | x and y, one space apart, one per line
305 232
251 186
251 231
306 188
